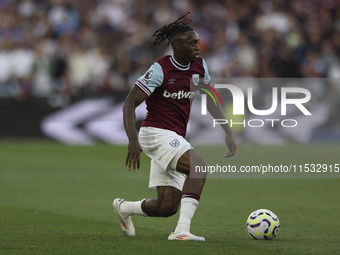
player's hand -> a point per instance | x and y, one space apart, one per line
133 156
231 144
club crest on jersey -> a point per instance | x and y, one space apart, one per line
174 143
195 79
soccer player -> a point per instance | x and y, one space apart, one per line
166 89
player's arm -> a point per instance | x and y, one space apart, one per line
216 112
143 88
135 98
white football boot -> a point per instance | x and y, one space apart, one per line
185 237
125 221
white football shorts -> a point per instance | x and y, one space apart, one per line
164 147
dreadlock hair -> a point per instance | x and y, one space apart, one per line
170 30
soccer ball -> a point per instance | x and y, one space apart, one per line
263 224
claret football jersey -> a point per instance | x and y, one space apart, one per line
167 85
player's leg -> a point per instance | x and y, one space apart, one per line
168 185
190 196
166 204
187 162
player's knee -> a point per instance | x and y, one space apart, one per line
167 210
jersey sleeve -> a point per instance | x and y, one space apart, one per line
207 77
152 79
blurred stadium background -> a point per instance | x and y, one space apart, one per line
67 65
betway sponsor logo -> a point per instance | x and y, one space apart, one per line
179 95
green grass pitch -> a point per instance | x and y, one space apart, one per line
56 199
